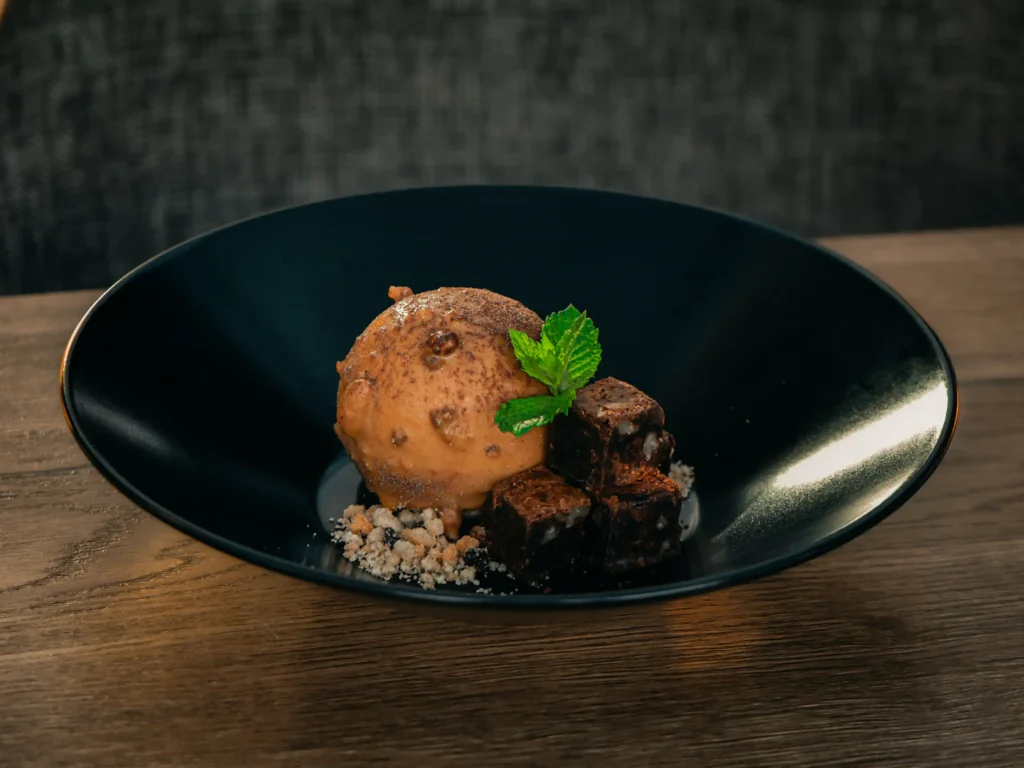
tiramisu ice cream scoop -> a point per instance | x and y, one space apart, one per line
418 394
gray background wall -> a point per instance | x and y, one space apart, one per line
128 125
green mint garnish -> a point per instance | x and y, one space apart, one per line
521 415
565 359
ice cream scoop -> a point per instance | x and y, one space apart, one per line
418 393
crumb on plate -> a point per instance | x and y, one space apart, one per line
410 546
681 475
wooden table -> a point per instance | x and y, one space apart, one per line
123 642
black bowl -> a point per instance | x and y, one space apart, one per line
810 398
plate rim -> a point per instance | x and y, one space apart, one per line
545 602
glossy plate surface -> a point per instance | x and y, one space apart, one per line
811 399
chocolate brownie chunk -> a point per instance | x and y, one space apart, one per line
612 431
637 524
535 524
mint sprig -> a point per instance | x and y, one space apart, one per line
565 359
522 414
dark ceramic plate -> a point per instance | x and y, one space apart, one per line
810 398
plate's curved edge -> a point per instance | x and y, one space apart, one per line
589 600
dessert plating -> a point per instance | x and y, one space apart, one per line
461 399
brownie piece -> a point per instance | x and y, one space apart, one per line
637 524
535 525
612 431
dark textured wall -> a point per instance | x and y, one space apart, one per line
127 125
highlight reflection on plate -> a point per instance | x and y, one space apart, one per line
811 400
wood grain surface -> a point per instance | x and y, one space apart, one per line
125 643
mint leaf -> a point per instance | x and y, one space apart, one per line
578 353
565 359
557 323
572 337
522 414
584 355
535 361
